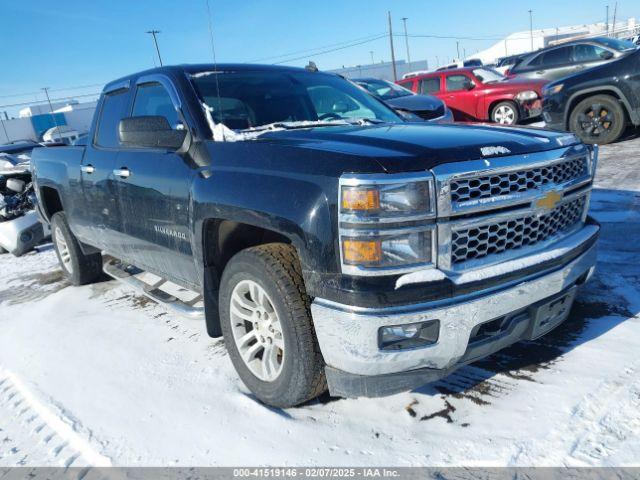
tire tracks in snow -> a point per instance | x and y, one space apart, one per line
31 432
598 426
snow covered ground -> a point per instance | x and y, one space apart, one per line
99 375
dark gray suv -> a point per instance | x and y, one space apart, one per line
561 60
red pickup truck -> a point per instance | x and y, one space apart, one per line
481 94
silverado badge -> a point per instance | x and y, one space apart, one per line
496 150
549 201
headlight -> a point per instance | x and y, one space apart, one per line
526 95
387 249
386 223
550 90
374 198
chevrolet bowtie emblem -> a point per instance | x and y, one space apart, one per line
549 201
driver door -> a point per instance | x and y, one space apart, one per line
460 96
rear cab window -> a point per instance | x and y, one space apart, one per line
113 109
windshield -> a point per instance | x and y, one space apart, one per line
383 89
616 44
250 99
487 76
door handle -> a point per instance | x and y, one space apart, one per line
123 172
540 72
87 169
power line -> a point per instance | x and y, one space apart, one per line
59 99
330 50
310 50
80 87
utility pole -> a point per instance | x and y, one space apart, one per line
437 61
393 54
153 33
464 53
5 130
406 38
371 52
531 27
613 24
458 48
53 115
606 21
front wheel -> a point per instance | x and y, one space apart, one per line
505 113
598 119
267 327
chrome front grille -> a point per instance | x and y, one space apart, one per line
487 186
491 238
496 209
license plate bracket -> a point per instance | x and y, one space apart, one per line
551 313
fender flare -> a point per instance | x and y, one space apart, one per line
602 89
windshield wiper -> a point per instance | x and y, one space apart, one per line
365 121
295 125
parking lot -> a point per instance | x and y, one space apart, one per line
99 375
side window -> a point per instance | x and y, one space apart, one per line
558 56
153 99
113 109
429 85
457 82
588 53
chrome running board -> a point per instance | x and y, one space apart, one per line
158 289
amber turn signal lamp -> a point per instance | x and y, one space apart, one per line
361 251
354 199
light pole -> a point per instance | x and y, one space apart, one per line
607 20
531 27
371 52
406 39
153 33
458 48
53 115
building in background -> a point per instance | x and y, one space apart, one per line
35 120
382 70
521 42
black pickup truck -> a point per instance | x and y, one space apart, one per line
331 243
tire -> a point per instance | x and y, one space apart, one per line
598 119
505 113
79 268
297 372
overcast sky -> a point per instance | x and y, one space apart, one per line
74 43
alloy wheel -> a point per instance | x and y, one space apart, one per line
595 121
63 250
504 115
257 330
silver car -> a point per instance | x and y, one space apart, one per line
559 61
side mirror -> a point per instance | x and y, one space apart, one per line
606 55
150 132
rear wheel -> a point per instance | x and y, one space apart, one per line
505 113
267 327
79 268
598 119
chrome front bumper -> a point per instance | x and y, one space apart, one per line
348 336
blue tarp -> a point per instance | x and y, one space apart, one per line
42 123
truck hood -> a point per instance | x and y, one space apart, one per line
421 146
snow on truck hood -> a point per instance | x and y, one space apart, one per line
402 147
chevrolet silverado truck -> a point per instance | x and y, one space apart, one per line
332 244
